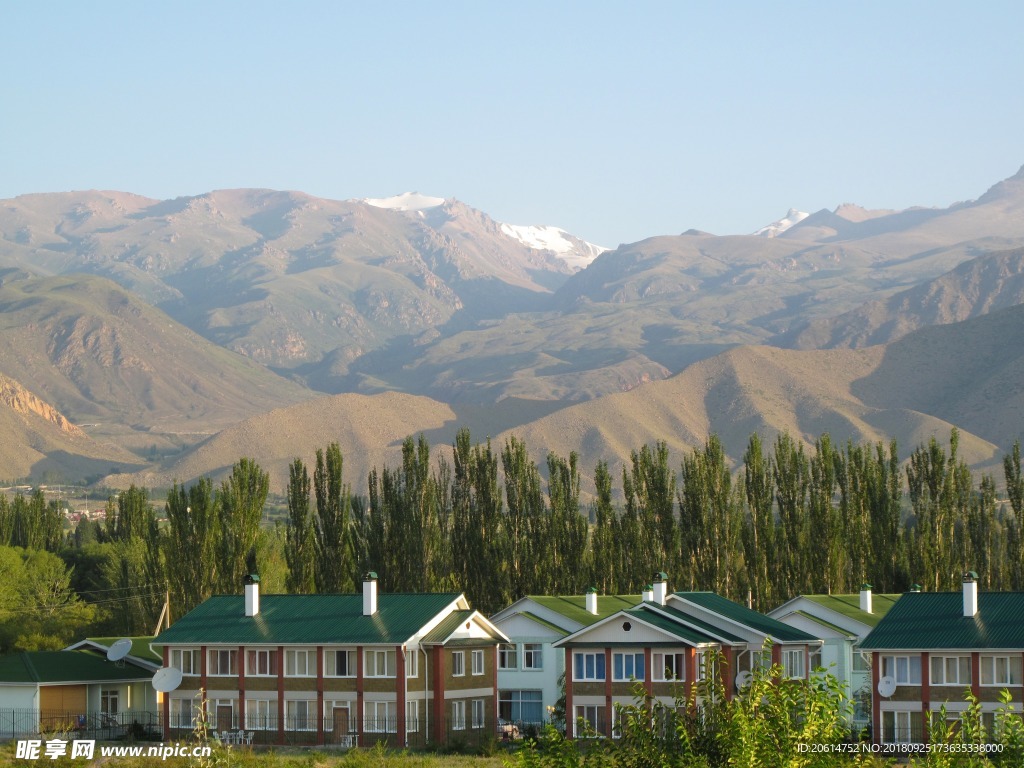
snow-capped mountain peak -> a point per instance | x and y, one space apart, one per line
407 201
572 250
793 216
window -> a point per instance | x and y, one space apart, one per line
793 663
705 665
533 656
950 670
1000 670
412 664
458 663
223 713
902 727
521 706
299 663
379 663
477 658
478 713
260 714
108 702
589 720
668 666
339 663
380 717
412 716
261 663
905 670
222 663
628 666
338 714
182 714
588 666
860 663
300 715
187 660
458 715
507 657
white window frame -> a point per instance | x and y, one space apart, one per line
193 655
584 712
992 662
477 662
110 696
332 704
232 662
412 664
533 656
213 704
331 662
901 722
584 655
373 658
292 715
259 713
794 662
372 716
940 667
659 666
182 712
458 715
478 713
508 657
628 659
901 668
299 662
412 716
253 658
458 663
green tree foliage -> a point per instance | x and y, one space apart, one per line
300 548
191 545
334 556
239 506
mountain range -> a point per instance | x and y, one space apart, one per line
181 334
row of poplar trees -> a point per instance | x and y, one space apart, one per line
788 521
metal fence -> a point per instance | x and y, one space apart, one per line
102 727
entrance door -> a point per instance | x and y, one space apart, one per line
224 717
340 722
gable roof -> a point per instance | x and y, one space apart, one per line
140 650
669 623
574 607
748 617
849 606
52 667
309 620
452 623
935 620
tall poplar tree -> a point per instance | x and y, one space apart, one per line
300 541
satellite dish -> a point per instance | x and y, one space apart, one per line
119 650
743 680
166 679
886 686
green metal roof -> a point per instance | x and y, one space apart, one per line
746 616
449 624
671 625
849 606
935 620
546 623
140 647
49 667
574 607
702 626
824 623
306 619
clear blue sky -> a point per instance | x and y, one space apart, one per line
615 121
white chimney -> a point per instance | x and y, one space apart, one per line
865 598
970 594
648 593
369 594
660 588
252 594
592 601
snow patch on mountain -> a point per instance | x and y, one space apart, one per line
776 228
575 252
407 201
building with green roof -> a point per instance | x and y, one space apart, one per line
528 666
932 646
664 641
340 669
841 621
78 690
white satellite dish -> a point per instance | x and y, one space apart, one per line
743 680
886 686
167 679
119 650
